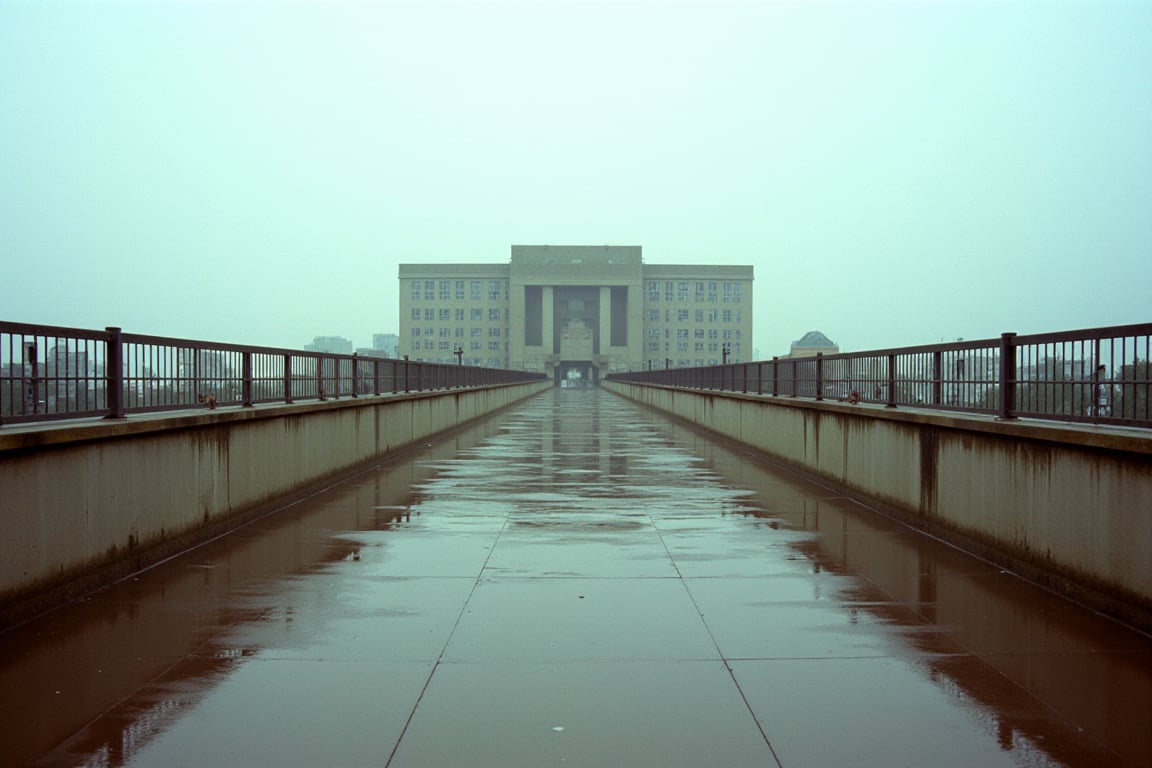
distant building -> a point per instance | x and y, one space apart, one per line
336 344
387 343
576 312
813 343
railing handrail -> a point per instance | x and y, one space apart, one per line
50 372
1094 375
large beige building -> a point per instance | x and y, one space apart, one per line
576 312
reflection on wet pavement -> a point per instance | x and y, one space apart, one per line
580 582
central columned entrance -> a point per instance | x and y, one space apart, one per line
577 374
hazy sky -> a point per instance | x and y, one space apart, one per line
897 172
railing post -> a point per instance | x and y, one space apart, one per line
891 381
246 385
288 378
114 373
376 377
819 376
355 375
937 378
775 375
1007 381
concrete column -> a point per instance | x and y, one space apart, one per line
636 326
605 319
547 319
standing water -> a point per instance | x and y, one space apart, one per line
576 582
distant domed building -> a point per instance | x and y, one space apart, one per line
812 344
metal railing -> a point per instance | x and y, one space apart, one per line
49 372
1098 376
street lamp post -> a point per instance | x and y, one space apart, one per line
459 352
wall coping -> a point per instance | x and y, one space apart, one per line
1100 436
66 432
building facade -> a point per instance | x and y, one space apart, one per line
576 312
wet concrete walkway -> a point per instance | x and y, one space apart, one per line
577 582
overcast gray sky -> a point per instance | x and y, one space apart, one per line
897 172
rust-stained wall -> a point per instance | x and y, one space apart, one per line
1068 505
82 502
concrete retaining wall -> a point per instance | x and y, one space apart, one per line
84 502
1067 505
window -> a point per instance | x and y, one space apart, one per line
713 315
459 333
727 335
415 313
445 345
460 315
681 315
653 346
416 285
494 315
494 290
415 331
699 315
669 290
698 333
699 293
429 314
477 315
713 333
459 290
429 345
699 346
445 332
476 346
682 333
445 315
681 346
493 346
494 332
445 290
727 316
429 332
653 315
474 290
476 332
681 291
653 291
653 333
429 290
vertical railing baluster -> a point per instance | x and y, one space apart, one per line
114 372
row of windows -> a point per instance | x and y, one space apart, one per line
685 362
700 315
447 289
475 346
697 333
708 291
445 333
445 314
685 346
